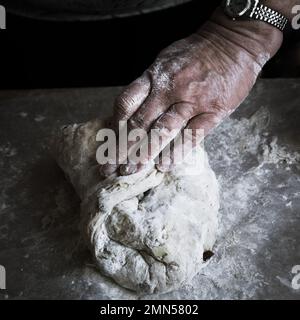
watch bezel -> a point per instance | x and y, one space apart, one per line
229 12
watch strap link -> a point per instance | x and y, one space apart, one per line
266 14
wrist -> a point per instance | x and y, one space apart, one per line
257 37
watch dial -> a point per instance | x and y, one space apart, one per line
236 8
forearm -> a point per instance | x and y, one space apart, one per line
257 37
260 36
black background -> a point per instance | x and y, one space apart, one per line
43 54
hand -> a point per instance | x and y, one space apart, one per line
195 83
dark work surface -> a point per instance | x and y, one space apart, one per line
258 244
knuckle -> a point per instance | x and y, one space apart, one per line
179 114
162 125
123 104
219 109
184 110
137 122
162 77
123 100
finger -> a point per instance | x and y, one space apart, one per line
153 107
138 116
131 98
195 131
107 123
137 127
162 132
125 105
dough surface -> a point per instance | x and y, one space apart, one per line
147 231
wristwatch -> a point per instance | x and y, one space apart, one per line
254 9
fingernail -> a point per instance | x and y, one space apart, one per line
128 169
108 169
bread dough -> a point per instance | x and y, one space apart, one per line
147 231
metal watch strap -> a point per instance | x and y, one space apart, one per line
266 14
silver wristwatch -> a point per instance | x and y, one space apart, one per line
254 9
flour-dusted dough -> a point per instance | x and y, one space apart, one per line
147 231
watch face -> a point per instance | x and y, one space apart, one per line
237 8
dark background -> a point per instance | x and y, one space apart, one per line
43 54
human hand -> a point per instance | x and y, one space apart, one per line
194 84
